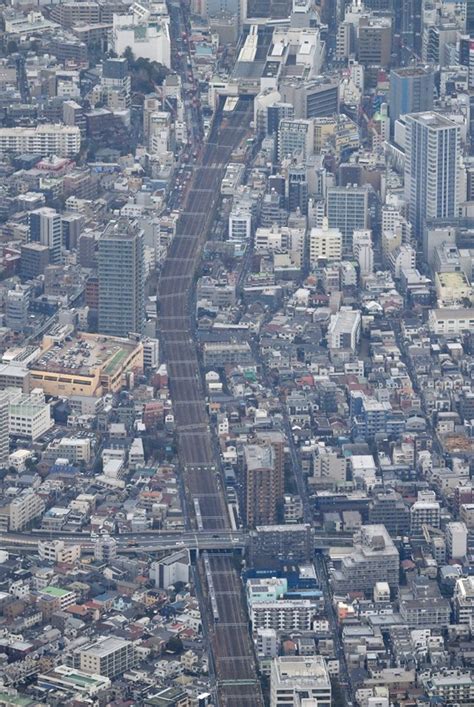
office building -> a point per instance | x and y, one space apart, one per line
299 680
71 227
295 139
45 228
411 91
34 260
148 38
374 558
262 484
348 210
171 569
44 139
375 41
121 279
411 28
107 656
316 98
431 168
29 415
275 113
297 188
116 83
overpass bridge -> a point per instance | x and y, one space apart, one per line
157 541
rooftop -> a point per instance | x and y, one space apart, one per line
85 353
433 120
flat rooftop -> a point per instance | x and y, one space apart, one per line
84 354
434 120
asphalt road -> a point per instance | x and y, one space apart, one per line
233 655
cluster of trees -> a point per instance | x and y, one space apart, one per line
145 74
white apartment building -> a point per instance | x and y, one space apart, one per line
451 321
281 238
464 600
456 540
363 250
47 139
21 510
75 449
57 551
424 513
151 353
283 615
295 679
344 329
325 244
240 228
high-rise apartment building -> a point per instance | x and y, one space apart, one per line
45 139
261 484
363 251
348 210
16 308
431 161
46 228
411 91
240 228
121 279
4 436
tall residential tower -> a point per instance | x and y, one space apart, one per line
431 159
121 279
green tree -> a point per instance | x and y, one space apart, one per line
174 644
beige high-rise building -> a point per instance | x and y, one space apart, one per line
325 244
